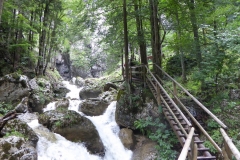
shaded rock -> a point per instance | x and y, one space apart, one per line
73 127
126 137
22 107
23 128
59 90
64 103
87 92
109 85
234 94
41 94
109 96
145 149
93 107
13 87
16 148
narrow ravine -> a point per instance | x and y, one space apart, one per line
52 146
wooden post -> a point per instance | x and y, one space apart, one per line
158 95
174 89
195 152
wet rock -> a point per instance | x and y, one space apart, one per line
64 103
93 107
14 147
73 127
126 137
88 92
145 149
19 126
13 87
22 107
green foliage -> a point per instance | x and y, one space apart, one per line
15 133
5 107
173 65
164 137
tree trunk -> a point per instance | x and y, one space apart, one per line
140 33
155 36
193 19
1 8
125 41
42 39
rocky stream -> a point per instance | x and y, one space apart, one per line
69 120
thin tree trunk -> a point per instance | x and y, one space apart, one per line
179 33
125 41
1 8
193 19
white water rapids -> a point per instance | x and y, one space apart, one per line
52 146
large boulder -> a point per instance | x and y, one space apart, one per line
13 87
126 137
88 92
19 126
14 147
93 107
133 107
59 90
41 94
73 127
145 149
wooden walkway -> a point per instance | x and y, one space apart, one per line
174 111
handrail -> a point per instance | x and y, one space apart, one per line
195 100
175 118
187 121
187 144
230 144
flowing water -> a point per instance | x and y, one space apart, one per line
52 146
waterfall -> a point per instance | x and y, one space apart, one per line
52 146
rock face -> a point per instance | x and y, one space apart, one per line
41 94
21 145
16 148
73 127
126 137
145 149
63 66
88 92
13 87
93 107
126 114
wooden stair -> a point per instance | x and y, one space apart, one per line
203 152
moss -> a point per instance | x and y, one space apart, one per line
6 147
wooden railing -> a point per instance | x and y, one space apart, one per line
228 150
